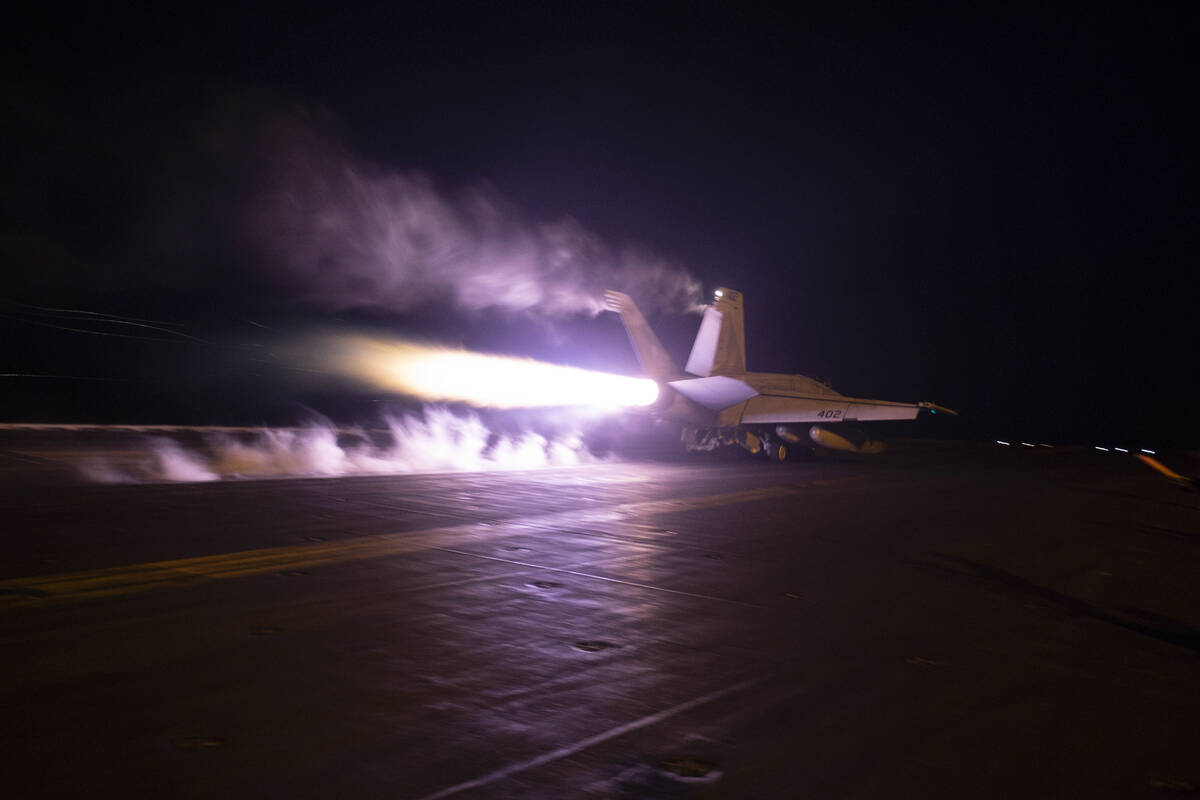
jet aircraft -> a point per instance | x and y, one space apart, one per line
764 412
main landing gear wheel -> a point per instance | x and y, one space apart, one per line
776 451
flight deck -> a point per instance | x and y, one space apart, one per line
945 620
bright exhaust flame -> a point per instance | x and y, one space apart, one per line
488 381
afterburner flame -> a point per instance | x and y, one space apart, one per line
491 381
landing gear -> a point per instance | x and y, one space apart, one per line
700 439
756 442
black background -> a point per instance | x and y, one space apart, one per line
995 210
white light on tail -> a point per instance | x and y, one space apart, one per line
490 381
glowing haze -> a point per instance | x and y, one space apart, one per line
479 379
344 233
435 440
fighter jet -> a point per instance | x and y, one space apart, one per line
764 412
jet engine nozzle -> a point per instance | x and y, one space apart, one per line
673 405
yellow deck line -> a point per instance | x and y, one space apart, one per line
1158 465
135 578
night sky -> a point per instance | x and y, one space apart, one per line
997 212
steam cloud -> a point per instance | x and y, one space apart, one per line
438 441
349 235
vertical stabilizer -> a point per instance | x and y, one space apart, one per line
650 352
720 346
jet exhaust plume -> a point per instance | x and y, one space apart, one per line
435 440
487 381
347 234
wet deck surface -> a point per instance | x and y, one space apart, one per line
948 621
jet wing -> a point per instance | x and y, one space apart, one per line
720 392
826 408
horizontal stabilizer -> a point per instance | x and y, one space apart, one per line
715 393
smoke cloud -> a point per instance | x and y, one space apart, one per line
436 441
347 234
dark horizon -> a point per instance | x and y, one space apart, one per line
994 212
